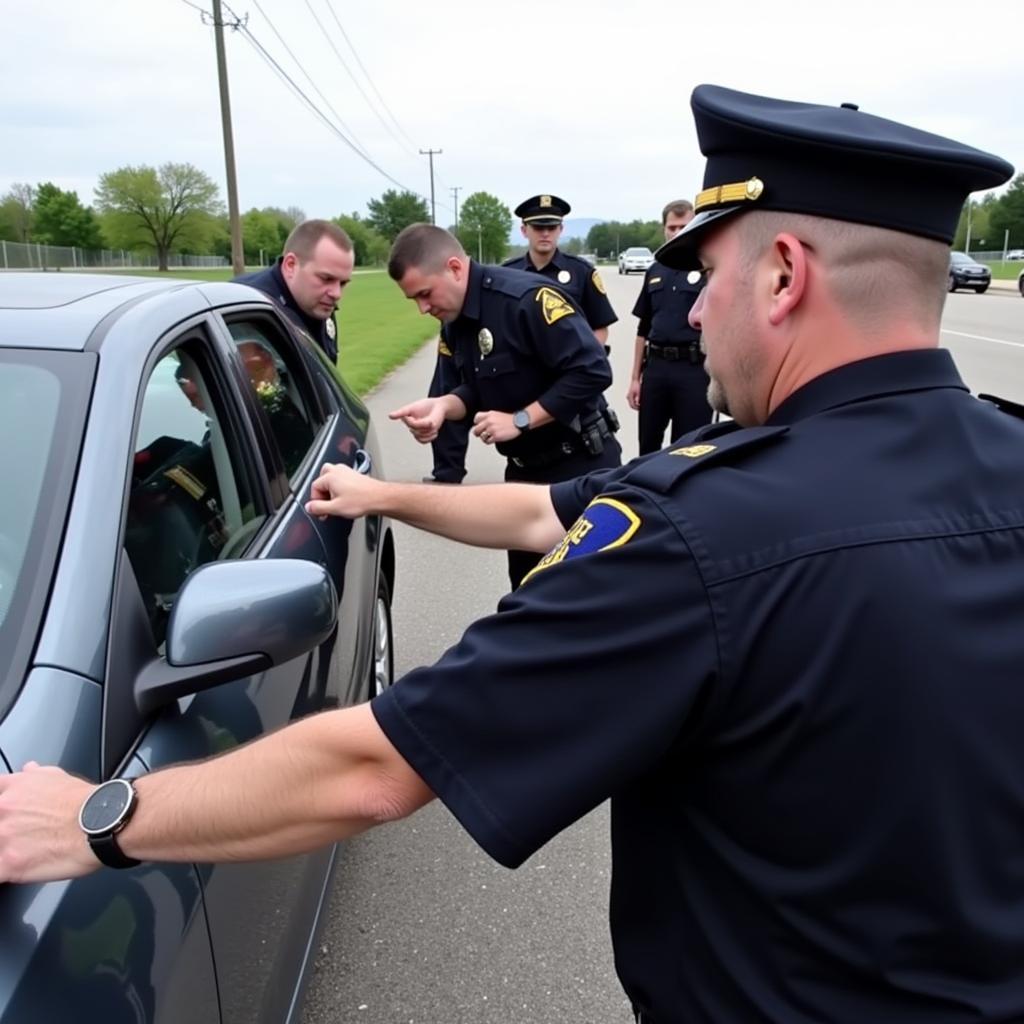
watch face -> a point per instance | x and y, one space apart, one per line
106 807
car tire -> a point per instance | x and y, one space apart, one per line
952 283
382 652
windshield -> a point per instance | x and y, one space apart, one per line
638 252
959 257
42 400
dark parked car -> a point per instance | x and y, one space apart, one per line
163 597
967 273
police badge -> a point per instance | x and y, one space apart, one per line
486 342
332 331
564 277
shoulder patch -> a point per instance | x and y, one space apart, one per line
662 472
598 283
553 306
442 348
606 523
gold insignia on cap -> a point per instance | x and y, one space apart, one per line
332 330
694 451
564 277
737 192
486 341
553 305
442 348
598 283
546 201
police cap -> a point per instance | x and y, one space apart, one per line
543 211
836 162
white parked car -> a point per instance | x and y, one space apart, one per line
1015 254
636 258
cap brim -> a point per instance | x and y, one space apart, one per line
543 222
680 253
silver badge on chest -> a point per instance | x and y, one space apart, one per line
332 331
564 277
693 277
486 342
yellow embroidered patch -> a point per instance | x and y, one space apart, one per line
442 348
694 451
605 524
553 306
654 280
598 283
190 484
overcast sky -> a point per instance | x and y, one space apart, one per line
586 99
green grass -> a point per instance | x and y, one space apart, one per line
378 327
1005 271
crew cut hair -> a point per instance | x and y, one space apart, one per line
423 246
680 207
305 237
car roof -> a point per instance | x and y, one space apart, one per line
61 310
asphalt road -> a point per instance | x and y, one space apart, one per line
422 927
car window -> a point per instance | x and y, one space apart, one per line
191 501
280 386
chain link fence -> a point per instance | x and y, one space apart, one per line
37 256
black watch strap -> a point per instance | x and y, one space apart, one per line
108 852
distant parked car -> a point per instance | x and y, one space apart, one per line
164 597
967 273
635 259
1015 254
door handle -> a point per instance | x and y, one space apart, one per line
363 462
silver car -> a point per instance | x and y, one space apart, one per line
164 597
636 259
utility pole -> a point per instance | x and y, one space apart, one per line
237 255
430 153
967 244
455 189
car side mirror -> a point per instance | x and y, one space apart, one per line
231 619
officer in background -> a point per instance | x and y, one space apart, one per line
530 375
542 218
541 227
808 713
668 383
307 281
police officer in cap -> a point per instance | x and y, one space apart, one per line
308 279
541 227
808 713
530 375
668 385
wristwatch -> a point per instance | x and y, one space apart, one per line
107 809
521 420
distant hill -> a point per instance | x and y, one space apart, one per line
572 227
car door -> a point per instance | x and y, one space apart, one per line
200 492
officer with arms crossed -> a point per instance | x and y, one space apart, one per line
307 281
808 714
530 373
541 227
668 383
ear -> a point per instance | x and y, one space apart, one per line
787 266
522 228
289 263
458 267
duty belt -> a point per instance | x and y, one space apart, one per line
545 458
689 352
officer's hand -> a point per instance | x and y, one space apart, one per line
633 394
423 418
492 427
40 840
341 491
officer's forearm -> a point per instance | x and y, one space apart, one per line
323 779
454 407
503 516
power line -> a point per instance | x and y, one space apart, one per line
348 71
369 79
300 66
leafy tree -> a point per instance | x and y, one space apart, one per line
396 210
262 230
611 237
484 225
16 208
1008 215
170 208
371 248
61 219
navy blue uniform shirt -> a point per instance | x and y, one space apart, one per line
804 699
271 282
517 341
578 279
664 304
